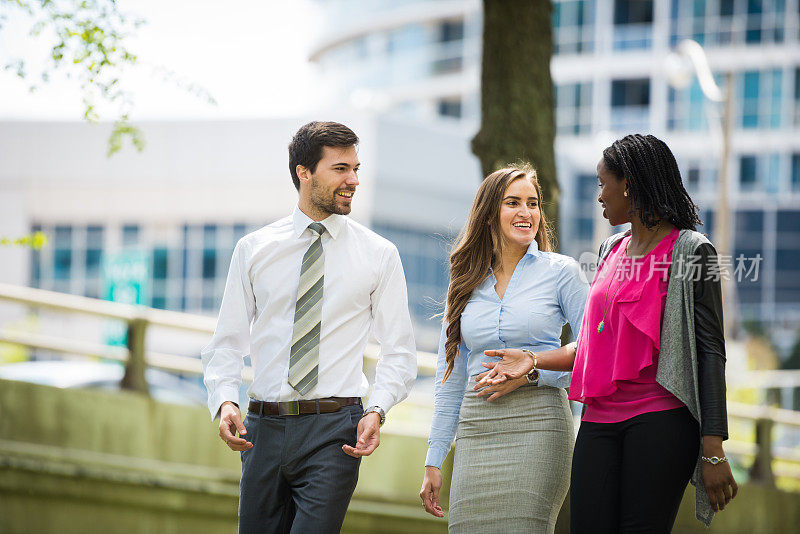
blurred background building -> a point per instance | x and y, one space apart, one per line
171 215
410 71
157 228
421 59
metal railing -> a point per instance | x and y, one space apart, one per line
769 460
137 358
138 320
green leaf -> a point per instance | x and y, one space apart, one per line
89 46
36 241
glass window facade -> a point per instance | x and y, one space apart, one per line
449 107
728 22
693 179
633 24
787 264
574 109
587 192
186 275
130 235
630 93
94 258
762 173
573 26
686 108
451 30
748 173
160 271
404 39
35 264
759 94
797 94
707 223
62 257
633 11
425 262
630 105
749 242
795 177
448 53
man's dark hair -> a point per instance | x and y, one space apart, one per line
654 181
306 146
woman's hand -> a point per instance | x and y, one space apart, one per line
514 364
495 391
429 493
718 479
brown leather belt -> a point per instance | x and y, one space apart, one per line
326 405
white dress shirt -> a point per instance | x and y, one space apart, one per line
364 290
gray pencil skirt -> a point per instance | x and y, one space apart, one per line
512 461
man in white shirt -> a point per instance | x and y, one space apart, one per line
313 286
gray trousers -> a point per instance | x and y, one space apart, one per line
296 478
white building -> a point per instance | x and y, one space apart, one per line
199 186
421 59
412 69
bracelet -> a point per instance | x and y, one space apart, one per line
533 374
714 460
532 355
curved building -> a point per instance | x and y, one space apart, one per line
421 60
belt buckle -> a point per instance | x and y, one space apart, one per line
290 408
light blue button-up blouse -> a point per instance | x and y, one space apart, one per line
545 291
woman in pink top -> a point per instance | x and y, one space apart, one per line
639 444
624 307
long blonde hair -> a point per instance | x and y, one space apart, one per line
479 247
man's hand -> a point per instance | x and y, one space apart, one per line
718 479
369 436
429 493
495 391
230 421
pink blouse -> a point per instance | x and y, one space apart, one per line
617 356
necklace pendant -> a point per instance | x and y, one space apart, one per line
600 326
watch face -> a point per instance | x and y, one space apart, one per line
533 376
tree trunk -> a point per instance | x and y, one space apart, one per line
517 101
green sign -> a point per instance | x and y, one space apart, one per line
126 278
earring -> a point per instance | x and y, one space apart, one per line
625 193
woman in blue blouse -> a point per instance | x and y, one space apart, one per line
507 290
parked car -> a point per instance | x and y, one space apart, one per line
164 386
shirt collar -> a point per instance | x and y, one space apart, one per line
333 223
533 249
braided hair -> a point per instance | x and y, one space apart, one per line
654 181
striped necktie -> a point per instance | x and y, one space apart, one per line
304 357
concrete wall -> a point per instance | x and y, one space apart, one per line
77 461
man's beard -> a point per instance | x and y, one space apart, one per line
325 201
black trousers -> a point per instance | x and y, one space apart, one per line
630 476
296 478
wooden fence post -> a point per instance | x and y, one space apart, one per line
134 378
761 471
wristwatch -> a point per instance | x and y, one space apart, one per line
533 374
378 410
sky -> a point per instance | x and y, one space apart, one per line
250 55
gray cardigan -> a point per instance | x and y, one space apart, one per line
677 368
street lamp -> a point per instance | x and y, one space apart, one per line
690 59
